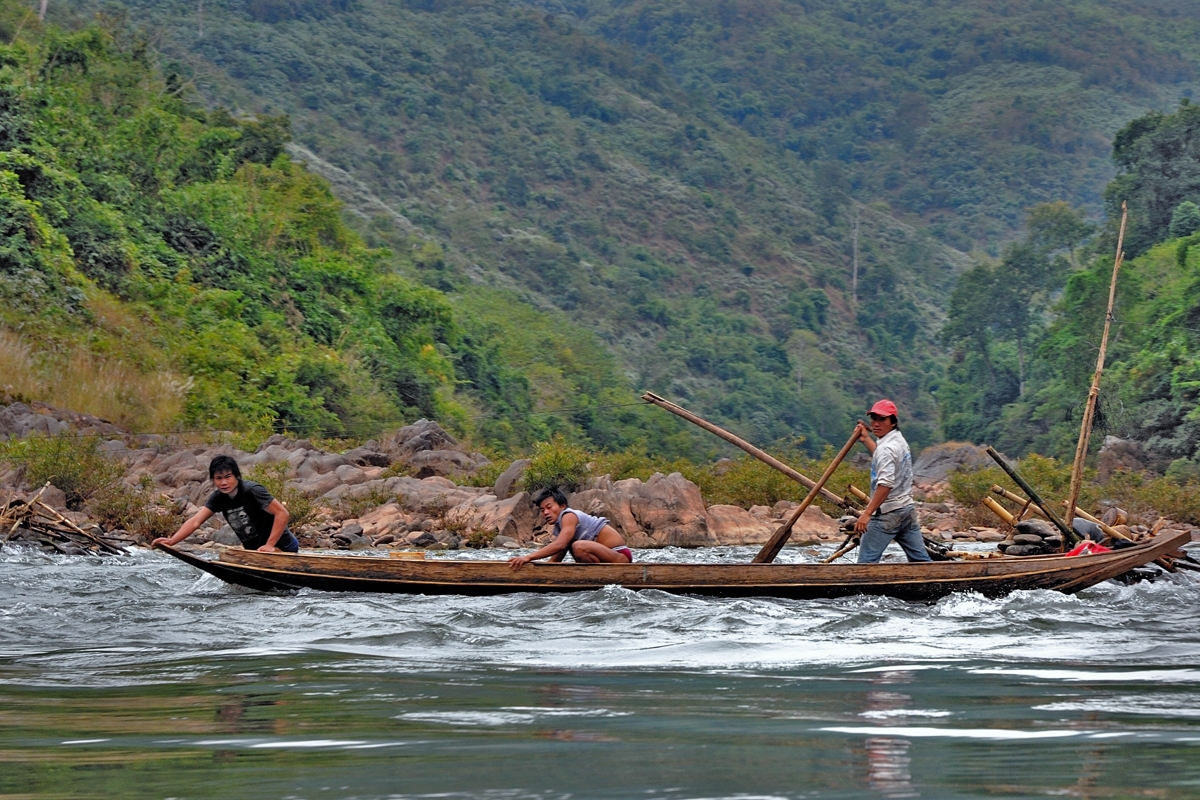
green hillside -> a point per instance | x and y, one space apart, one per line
172 268
690 184
964 113
577 176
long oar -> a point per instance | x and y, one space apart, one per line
780 537
766 458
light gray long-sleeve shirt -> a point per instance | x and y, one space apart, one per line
892 466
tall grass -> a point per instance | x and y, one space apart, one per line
102 384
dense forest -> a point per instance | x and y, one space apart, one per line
1041 304
748 206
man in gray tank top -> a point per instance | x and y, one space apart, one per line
589 539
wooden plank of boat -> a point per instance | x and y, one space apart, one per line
921 581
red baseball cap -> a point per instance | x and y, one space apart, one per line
884 408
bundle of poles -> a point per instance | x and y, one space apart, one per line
33 522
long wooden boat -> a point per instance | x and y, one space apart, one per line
922 581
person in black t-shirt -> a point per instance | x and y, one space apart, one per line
259 520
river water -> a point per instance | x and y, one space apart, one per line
138 677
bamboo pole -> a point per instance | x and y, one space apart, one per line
1085 428
1068 534
771 549
858 493
762 456
999 510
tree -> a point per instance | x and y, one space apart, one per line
1185 220
1158 160
1056 226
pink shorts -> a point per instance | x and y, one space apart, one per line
625 551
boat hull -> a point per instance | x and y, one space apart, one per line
909 581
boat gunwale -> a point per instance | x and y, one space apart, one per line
796 579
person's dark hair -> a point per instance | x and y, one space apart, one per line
895 420
224 464
554 492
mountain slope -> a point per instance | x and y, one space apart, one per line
576 175
964 113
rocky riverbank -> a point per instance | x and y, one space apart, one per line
413 488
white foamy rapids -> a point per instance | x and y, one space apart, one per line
145 617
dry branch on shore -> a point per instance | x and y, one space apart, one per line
34 522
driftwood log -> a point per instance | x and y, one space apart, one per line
34 522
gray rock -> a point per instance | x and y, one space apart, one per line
420 436
1119 455
503 541
935 464
443 463
350 475
1036 527
504 484
1023 550
511 546
318 485
364 457
353 529
1027 538
55 497
422 539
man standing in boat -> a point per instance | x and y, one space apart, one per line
589 540
259 520
890 512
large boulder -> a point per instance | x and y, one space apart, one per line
813 525
734 525
509 478
935 463
444 463
1121 455
670 509
513 517
421 435
665 511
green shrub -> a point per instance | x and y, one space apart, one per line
73 463
138 509
1146 498
299 504
556 463
746 481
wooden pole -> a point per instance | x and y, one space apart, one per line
762 456
1068 534
1085 428
780 537
1000 511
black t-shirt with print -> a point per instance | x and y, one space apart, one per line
246 512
